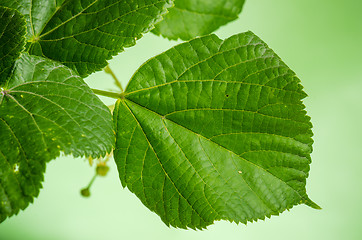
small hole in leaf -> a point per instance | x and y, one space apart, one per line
16 168
227 95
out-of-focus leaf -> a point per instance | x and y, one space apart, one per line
192 18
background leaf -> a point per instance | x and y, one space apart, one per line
192 18
213 130
84 34
45 109
12 40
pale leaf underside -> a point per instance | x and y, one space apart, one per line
213 130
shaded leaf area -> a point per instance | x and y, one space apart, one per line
36 12
213 130
44 109
84 34
192 18
12 41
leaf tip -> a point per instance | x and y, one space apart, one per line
312 204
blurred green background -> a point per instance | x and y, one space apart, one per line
322 42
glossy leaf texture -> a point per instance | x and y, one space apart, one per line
213 130
84 34
192 18
45 109
12 40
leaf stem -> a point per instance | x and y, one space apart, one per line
85 192
92 180
106 93
118 83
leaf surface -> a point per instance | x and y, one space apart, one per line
84 34
192 18
12 41
44 109
213 130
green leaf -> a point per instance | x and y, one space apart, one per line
12 40
36 12
213 130
84 34
45 109
192 18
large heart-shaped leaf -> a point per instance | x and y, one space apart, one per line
83 34
192 18
44 109
12 40
213 130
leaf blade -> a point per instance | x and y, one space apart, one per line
84 34
12 40
36 12
190 19
44 109
225 119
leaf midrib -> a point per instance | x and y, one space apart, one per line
78 14
31 116
207 200
60 107
257 166
68 20
207 80
166 174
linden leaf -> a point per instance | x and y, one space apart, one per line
84 34
12 40
213 130
45 108
192 18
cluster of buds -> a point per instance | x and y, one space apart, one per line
101 170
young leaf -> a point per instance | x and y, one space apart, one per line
44 109
192 18
213 130
12 40
84 34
